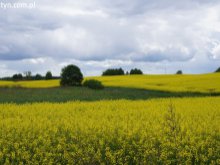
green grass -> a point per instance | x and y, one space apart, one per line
24 95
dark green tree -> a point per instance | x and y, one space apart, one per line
38 77
136 71
48 75
218 70
17 77
71 75
28 75
113 72
179 72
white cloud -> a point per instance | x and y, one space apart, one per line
111 33
216 52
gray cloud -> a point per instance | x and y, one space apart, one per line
108 33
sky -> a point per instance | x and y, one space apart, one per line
157 36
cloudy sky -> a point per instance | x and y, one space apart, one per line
157 36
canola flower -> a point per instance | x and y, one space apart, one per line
205 83
157 131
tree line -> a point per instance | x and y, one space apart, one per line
28 76
75 70
120 71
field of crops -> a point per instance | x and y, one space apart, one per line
158 131
176 83
31 84
44 125
206 83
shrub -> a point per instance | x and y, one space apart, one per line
218 70
93 84
179 72
48 75
113 72
136 71
71 76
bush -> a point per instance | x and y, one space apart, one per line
93 84
71 76
136 71
218 70
48 75
179 72
113 72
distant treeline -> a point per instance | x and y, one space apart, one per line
120 71
48 76
28 76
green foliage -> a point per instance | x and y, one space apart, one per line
218 70
179 72
38 77
48 75
28 75
93 84
31 95
17 77
136 71
113 72
71 76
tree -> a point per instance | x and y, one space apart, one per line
27 74
136 71
218 70
48 75
71 76
179 72
17 77
38 77
113 72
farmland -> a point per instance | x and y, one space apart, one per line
204 83
134 120
123 132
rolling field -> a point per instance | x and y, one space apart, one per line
175 121
204 83
157 131
31 84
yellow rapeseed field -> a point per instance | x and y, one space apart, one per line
176 83
157 131
205 83
31 84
